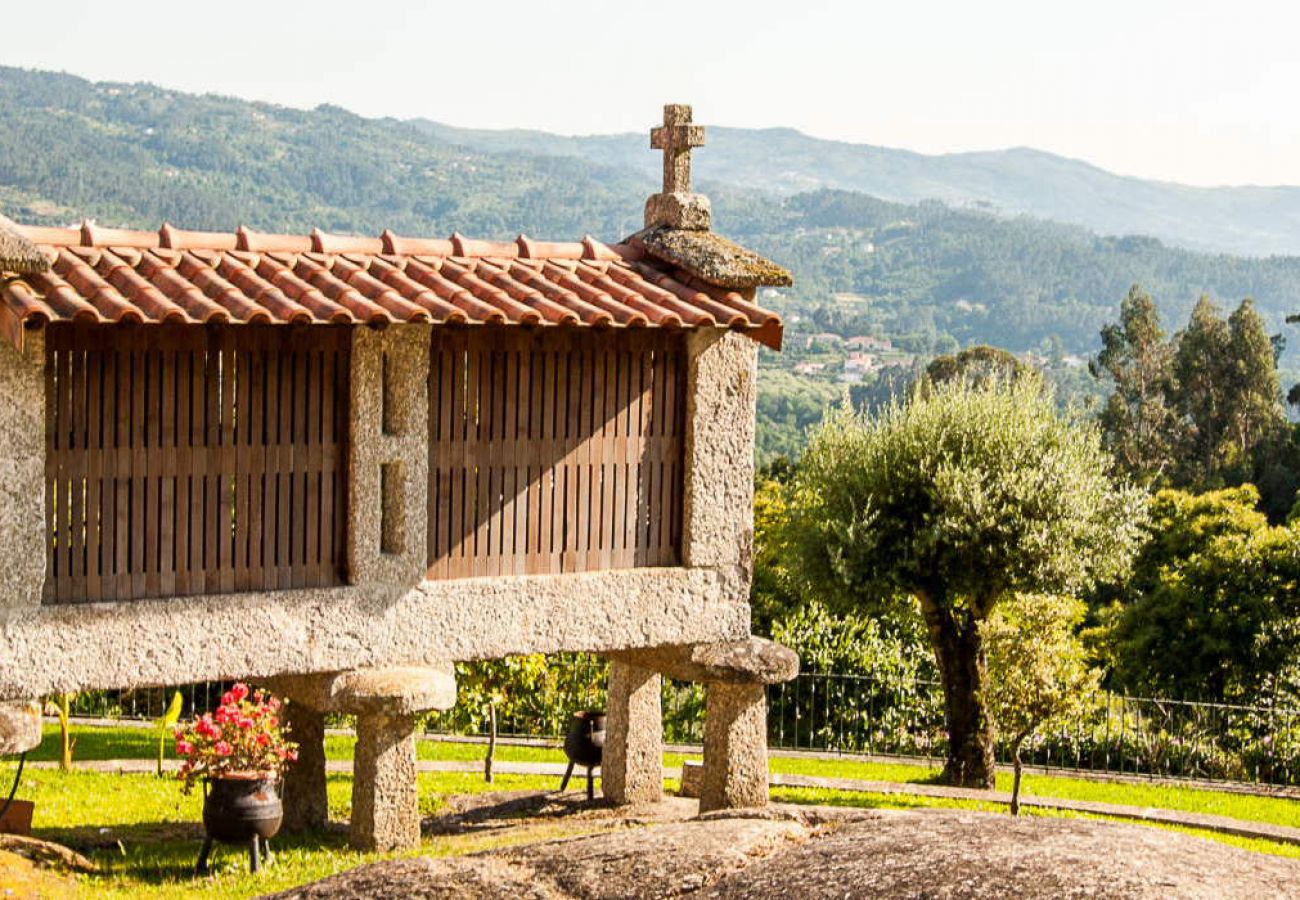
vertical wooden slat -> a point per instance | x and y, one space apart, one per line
183 381
135 536
122 471
94 470
332 460
311 438
167 491
50 593
521 455
539 466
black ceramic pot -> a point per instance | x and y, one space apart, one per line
236 810
585 742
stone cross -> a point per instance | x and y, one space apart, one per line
675 137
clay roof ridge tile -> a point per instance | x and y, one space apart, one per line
359 279
262 292
140 291
184 293
281 271
205 277
393 275
452 292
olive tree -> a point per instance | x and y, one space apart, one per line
958 499
1038 669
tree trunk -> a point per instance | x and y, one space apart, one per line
1015 784
66 741
492 743
959 650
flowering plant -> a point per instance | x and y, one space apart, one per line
243 737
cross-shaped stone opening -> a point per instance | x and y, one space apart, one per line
675 137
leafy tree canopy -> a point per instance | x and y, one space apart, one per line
959 499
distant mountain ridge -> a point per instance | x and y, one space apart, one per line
1251 221
928 275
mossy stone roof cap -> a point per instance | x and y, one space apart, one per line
18 254
713 258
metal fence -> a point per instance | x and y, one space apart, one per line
1115 734
849 713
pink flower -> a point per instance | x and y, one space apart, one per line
223 749
184 748
239 692
228 698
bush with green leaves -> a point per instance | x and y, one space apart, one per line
958 499
1212 611
1038 669
879 696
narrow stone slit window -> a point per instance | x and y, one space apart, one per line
392 508
390 412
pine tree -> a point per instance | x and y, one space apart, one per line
1202 372
1254 388
1138 422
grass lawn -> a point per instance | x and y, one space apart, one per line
145 833
137 743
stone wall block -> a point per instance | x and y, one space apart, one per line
388 455
22 472
719 490
632 770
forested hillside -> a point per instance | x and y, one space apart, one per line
927 276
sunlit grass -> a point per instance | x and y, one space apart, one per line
145 832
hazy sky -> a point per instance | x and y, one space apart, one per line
1188 91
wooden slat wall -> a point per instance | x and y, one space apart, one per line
194 461
554 451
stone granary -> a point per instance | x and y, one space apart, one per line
338 464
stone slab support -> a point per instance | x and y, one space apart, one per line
735 675
306 801
632 770
22 472
387 703
735 747
385 793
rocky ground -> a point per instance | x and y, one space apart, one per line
790 852
31 868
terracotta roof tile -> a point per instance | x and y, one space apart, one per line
110 275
